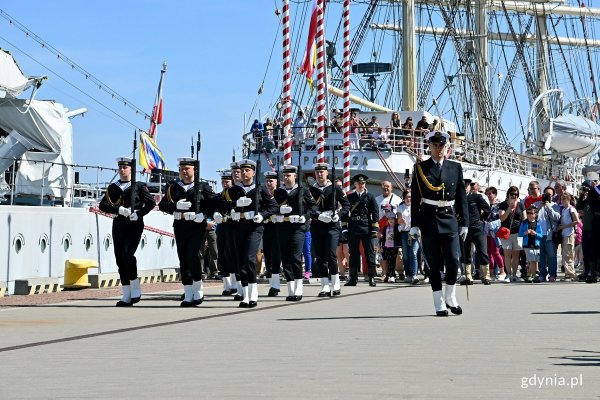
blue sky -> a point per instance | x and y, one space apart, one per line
216 52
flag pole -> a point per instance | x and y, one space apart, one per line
287 103
320 81
346 87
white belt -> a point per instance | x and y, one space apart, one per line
439 203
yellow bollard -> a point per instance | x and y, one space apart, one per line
76 273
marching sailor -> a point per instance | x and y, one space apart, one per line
295 208
325 229
127 227
270 243
189 227
362 227
253 204
439 206
224 237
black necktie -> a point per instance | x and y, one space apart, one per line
438 166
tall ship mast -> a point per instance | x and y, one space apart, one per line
513 83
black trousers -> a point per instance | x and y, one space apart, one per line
189 237
126 237
223 258
271 250
232 261
325 239
441 249
247 236
291 239
353 246
480 241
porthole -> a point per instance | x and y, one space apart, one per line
143 241
43 243
107 241
159 242
172 242
67 242
18 243
88 241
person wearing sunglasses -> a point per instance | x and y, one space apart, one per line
511 212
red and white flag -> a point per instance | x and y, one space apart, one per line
157 109
310 56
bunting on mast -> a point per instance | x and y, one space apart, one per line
150 155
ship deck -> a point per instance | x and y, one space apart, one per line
370 343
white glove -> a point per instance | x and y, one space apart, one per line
463 232
235 216
198 218
133 217
279 218
294 218
218 218
126 212
324 218
258 218
183 205
249 215
243 202
414 231
301 219
189 216
335 218
285 209
273 218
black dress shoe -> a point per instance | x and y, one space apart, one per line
122 303
273 292
182 297
351 282
198 302
252 304
467 282
455 310
297 298
324 294
486 281
226 293
232 291
372 282
591 279
443 313
135 300
244 305
187 303
336 293
290 298
238 297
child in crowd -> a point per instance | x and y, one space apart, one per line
531 232
578 239
389 244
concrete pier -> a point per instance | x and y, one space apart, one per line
514 341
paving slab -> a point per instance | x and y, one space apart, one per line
513 341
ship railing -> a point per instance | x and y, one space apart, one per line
79 186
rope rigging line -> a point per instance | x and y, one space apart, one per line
71 84
101 85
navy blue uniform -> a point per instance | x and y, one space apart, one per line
189 235
126 233
363 224
439 223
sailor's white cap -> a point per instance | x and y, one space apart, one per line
248 164
270 175
186 161
124 161
321 166
226 175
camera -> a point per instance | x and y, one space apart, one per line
546 198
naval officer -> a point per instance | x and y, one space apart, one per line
325 228
362 227
127 227
439 211
189 227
